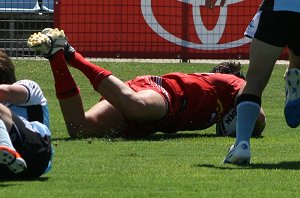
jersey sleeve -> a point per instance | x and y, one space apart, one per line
35 95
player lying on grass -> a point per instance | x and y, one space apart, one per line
141 106
25 149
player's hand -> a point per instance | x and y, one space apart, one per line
211 3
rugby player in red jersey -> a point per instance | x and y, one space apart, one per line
142 106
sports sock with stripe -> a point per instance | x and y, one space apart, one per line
248 109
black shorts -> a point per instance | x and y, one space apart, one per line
279 28
34 149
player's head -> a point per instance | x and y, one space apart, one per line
229 67
7 69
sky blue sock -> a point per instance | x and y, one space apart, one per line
247 113
4 136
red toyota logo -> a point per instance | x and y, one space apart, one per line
206 37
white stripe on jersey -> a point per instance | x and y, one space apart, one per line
252 27
156 81
35 97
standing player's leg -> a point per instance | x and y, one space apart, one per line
263 57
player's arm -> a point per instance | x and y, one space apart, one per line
14 94
211 3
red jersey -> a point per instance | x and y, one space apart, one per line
195 101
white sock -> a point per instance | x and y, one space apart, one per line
4 136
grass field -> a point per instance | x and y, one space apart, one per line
187 164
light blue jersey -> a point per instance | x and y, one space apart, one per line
282 5
34 111
287 5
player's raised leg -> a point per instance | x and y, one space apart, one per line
51 43
133 105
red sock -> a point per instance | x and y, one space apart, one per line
93 72
65 85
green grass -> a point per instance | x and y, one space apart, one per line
187 164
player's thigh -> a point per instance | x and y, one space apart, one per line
145 105
154 106
263 57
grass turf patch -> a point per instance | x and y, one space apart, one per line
186 164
